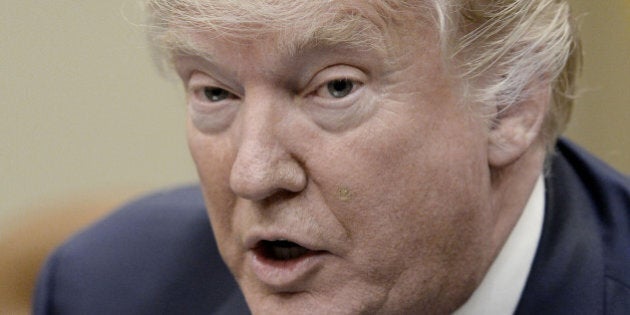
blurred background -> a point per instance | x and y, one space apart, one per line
87 122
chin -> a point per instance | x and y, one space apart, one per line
293 303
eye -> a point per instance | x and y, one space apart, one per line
214 94
338 88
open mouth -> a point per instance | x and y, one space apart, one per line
281 250
282 263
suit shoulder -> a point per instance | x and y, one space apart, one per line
155 254
607 189
609 193
155 218
594 171
581 263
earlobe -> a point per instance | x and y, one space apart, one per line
517 128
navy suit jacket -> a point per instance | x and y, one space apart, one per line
157 255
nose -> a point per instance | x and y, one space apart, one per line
264 165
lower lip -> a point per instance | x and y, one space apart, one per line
284 274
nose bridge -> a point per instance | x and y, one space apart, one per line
256 129
263 164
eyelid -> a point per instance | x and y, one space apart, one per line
209 116
337 72
198 81
188 65
338 114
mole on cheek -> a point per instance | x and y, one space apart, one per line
344 194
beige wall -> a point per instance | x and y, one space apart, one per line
601 118
84 114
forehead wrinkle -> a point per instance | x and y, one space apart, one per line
346 27
356 26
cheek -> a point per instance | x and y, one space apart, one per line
213 159
409 201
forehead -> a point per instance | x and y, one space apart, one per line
293 25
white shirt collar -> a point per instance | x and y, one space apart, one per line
501 288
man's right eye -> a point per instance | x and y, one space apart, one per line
214 94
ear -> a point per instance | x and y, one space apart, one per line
516 128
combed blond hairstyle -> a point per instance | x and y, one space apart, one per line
499 48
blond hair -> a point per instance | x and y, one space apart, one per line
499 46
502 46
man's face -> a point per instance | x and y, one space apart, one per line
339 178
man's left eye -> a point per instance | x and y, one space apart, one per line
339 88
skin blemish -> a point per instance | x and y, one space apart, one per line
344 194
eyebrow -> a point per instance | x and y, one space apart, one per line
349 28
